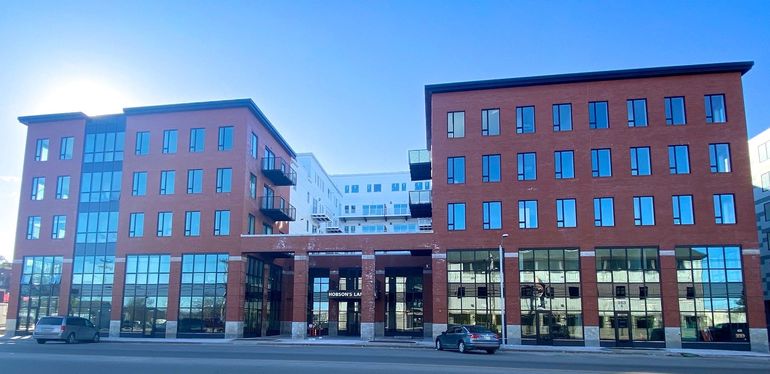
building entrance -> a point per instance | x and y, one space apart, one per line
403 302
349 318
543 326
622 324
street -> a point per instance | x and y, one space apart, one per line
116 358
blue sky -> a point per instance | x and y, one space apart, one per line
341 79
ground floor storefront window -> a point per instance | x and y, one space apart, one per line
404 302
318 300
202 294
145 295
91 293
39 291
474 288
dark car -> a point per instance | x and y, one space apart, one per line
465 338
69 329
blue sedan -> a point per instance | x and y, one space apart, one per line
465 338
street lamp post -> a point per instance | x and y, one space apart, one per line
502 289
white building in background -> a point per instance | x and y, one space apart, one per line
759 151
316 198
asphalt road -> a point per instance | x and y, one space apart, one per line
146 358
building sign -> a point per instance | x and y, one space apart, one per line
338 294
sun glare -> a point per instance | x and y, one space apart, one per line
91 97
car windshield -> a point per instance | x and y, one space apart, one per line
50 321
478 329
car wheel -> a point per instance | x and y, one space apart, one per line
491 351
461 347
71 339
439 347
41 341
96 338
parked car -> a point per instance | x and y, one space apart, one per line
69 329
465 338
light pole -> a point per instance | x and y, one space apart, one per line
502 288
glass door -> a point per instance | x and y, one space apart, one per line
349 318
622 322
544 321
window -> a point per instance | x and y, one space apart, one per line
597 115
601 162
715 108
644 211
100 186
38 188
492 215
203 273
473 285
267 229
766 208
97 227
140 183
566 213
562 117
91 292
604 212
393 187
253 151
400 209
456 170
104 147
724 209
142 143
33 227
490 168
525 119
167 182
225 142
374 187
66 146
527 214
252 225
41 150
683 212
192 223
765 181
679 159
637 112
373 210
527 166
63 187
564 164
456 124
145 295
169 141
197 140
354 188
763 151
136 225
640 161
675 111
719 158
222 223
59 227
39 290
252 186
490 122
224 180
455 216
165 224
194 181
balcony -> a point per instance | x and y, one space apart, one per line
425 224
279 172
277 208
420 204
333 230
419 164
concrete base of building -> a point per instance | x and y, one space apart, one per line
233 329
513 333
10 328
285 327
438 328
379 329
591 334
299 330
758 338
114 329
367 331
333 328
673 337
427 330
171 329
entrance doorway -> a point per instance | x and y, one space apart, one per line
403 302
622 324
349 318
543 325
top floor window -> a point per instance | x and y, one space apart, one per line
525 119
715 108
225 142
197 139
637 112
597 115
254 142
142 143
169 141
67 145
763 151
455 124
490 122
675 111
41 150
562 117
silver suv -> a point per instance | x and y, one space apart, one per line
69 329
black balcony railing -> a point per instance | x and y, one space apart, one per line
277 208
421 204
420 164
279 171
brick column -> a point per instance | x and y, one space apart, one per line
119 279
334 305
669 293
287 284
379 303
368 285
236 290
590 295
13 299
265 299
299 296
439 273
512 298
427 305
64 287
172 307
755 307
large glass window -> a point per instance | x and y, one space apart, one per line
527 214
644 211
675 111
604 212
474 288
145 295
456 170
105 147
224 180
455 216
194 181
63 187
66 147
318 295
455 124
490 168
562 117
527 166
492 215
715 108
192 223
254 297
225 140
167 182
719 158
724 209
601 162
525 119
38 188
679 159
170 141
597 115
566 213
165 220
41 150
640 161
101 186
39 290
683 212
197 140
564 164
97 227
142 143
490 122
202 293
91 293
637 112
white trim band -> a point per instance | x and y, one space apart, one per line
667 252
511 255
750 251
438 256
367 257
176 259
300 258
120 259
587 253
235 258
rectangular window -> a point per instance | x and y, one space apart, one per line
766 208
527 214
99 186
763 151
59 227
167 182
393 187
41 150
170 141
38 188
765 181
604 212
562 117
637 112
644 211
354 188
252 186
490 168
724 209
145 295
97 227
267 229
455 216
564 164
142 143
719 158
253 151
679 159
377 187
140 184
192 223
202 299
165 224
66 147
104 147
492 215
597 115
136 225
456 170
33 227
525 119
715 108
39 291
527 166
490 122
566 213
63 187
252 225
640 161
601 162
222 223
675 111
400 209
455 124
224 180
683 212
197 140
225 141
194 181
